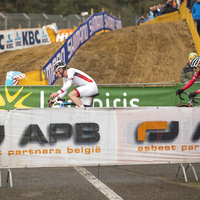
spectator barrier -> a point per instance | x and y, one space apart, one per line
12 97
193 30
48 137
169 17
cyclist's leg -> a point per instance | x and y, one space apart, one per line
86 92
74 96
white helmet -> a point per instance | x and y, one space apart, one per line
59 64
195 62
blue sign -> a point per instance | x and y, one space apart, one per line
10 77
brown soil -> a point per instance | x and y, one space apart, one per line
139 54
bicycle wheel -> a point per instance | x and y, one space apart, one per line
182 105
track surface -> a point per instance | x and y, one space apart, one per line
139 182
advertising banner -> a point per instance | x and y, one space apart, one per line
63 34
23 38
59 137
96 23
12 97
158 135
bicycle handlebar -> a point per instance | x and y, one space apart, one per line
181 97
191 98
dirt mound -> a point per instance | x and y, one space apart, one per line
26 60
139 54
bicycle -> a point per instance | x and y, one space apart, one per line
60 103
191 103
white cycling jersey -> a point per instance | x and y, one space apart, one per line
86 85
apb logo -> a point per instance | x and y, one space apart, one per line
84 132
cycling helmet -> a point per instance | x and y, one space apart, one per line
192 55
59 64
195 62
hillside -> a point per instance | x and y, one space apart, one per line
138 54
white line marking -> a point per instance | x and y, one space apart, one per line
97 183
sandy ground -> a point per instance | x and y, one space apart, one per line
138 54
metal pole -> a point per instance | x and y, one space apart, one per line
46 18
63 20
0 177
29 19
5 20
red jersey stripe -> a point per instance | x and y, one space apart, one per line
78 94
83 77
61 90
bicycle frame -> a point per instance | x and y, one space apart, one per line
60 103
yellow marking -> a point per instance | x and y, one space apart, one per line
11 98
19 103
2 102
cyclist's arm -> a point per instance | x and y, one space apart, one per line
191 82
63 91
60 96
67 82
198 91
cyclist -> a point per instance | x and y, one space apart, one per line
187 72
87 86
195 64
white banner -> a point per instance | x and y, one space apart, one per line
23 38
76 136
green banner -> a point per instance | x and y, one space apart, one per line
12 97
137 96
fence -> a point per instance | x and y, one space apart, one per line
23 20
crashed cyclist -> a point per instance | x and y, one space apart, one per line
195 64
86 85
